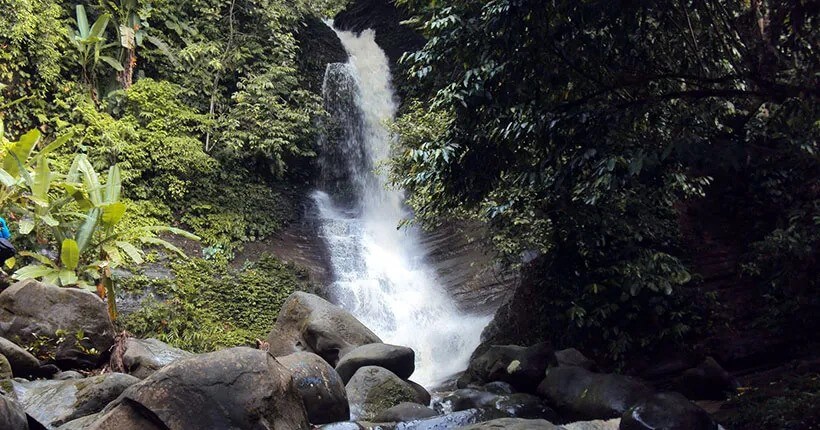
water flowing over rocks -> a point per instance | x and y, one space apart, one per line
310 323
30 309
404 412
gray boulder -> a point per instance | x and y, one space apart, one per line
580 394
667 411
522 405
404 412
23 364
320 387
237 388
573 357
521 367
310 323
12 414
468 398
498 387
513 424
373 390
29 309
707 381
54 403
142 357
422 395
5 368
397 359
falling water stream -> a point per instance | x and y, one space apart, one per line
380 271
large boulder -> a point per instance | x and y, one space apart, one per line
513 424
523 405
707 381
667 411
54 403
31 311
237 388
320 387
573 357
468 398
22 363
404 412
400 360
12 414
373 390
142 357
310 323
579 394
521 367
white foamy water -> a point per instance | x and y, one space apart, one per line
381 274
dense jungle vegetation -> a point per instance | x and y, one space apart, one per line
126 121
607 146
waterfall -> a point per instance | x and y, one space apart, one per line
380 272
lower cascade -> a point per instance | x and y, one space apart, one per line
380 272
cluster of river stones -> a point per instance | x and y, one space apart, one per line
318 368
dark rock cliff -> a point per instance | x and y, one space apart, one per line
318 46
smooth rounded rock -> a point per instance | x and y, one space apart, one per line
573 357
404 412
469 398
320 387
578 394
240 388
397 359
23 364
513 424
310 323
142 357
373 390
707 381
666 411
31 311
12 414
522 405
521 367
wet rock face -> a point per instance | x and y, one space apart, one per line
56 402
521 367
667 411
579 394
12 414
404 412
320 387
22 363
233 388
373 390
29 309
309 323
318 46
513 424
397 359
142 357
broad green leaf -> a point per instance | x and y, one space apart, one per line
42 180
112 62
113 254
58 142
82 21
50 220
20 151
67 277
70 254
98 28
114 185
112 213
173 230
6 179
79 196
164 244
25 226
134 253
9 263
87 229
33 271
39 257
90 179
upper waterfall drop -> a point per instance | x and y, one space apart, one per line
380 271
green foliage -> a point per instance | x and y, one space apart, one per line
210 305
789 403
578 129
33 40
89 40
